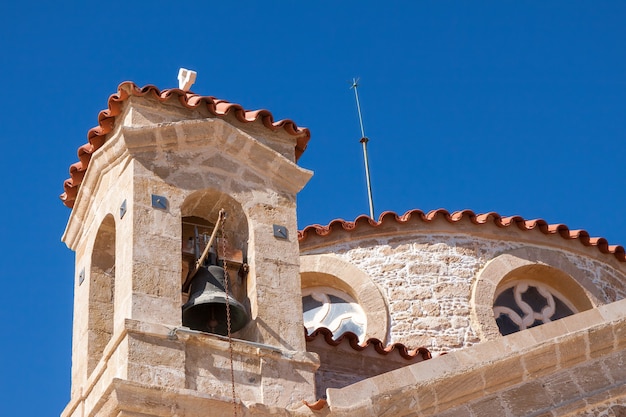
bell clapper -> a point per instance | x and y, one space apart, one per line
213 323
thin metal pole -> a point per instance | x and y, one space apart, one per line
364 140
355 85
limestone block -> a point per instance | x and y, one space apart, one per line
151 351
601 341
526 399
154 309
462 411
561 387
208 371
346 399
395 406
572 350
620 334
615 366
591 377
503 373
158 280
540 361
156 375
427 399
488 406
612 311
396 380
282 383
583 320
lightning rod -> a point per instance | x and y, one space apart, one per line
364 140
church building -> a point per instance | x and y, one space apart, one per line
196 295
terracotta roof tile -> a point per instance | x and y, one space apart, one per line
353 341
380 348
479 219
97 136
317 405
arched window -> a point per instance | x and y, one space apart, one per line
339 296
523 304
333 309
525 288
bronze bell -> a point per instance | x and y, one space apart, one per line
206 308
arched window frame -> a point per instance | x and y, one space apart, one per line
537 264
332 272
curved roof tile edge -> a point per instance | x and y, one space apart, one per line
380 348
548 229
317 405
96 136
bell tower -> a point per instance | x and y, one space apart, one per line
166 177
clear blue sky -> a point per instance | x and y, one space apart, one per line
513 107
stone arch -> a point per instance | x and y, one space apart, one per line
534 264
202 208
101 292
331 271
207 204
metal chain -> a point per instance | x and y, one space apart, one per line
230 340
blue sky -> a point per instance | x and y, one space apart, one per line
513 107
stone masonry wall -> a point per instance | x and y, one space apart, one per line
427 281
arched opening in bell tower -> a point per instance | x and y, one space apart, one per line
214 262
101 292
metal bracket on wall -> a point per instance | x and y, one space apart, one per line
123 209
81 276
281 232
159 202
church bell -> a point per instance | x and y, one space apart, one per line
206 308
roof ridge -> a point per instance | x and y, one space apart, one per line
97 135
478 219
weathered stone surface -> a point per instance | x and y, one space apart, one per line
196 167
430 285
426 274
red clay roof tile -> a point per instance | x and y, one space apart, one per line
548 229
353 340
97 136
380 348
317 405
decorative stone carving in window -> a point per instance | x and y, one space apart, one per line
525 304
335 310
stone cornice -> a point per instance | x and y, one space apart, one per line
210 342
188 137
192 136
491 368
110 156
